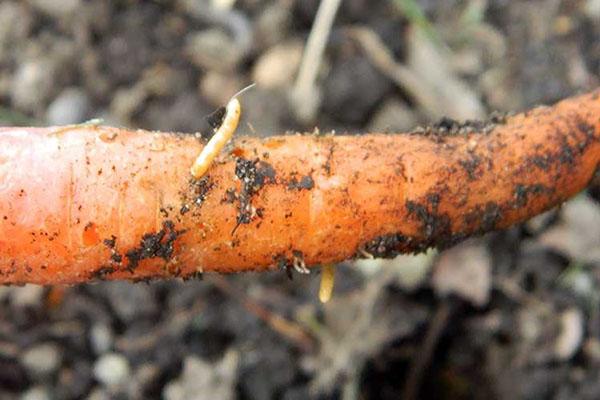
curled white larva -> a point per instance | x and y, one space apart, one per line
219 139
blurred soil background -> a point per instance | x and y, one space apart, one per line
512 315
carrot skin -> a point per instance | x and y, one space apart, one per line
82 203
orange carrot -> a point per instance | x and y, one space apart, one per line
86 202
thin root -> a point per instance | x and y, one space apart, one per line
299 265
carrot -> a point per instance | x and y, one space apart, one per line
88 202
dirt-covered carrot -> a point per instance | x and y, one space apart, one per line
88 202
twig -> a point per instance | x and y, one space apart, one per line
304 94
422 357
284 327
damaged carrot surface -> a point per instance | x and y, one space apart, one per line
88 202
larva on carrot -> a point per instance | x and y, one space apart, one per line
223 135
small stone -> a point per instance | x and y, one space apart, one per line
98 394
101 338
213 49
540 221
42 360
131 301
32 84
56 8
273 24
27 296
174 391
592 8
201 380
466 271
186 113
412 270
71 106
580 281
353 89
164 80
571 334
393 116
591 350
218 87
15 23
127 101
277 67
112 370
222 5
577 232
36 393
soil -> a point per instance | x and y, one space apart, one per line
512 315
